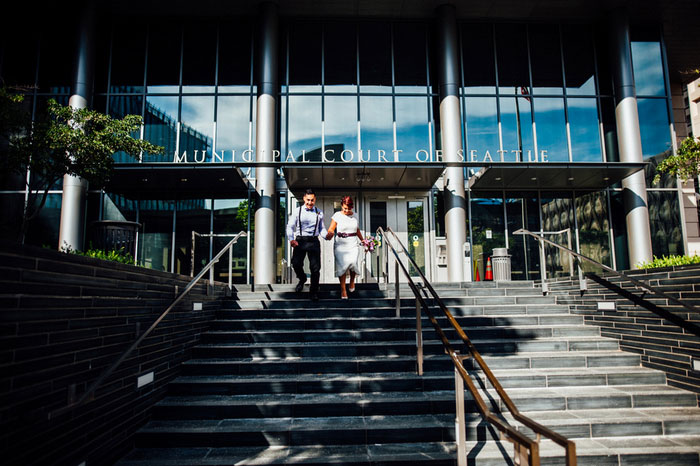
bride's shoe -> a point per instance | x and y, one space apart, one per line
343 297
351 290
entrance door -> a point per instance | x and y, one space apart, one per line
407 215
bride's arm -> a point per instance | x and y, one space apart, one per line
359 235
331 229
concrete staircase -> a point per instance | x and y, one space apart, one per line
282 380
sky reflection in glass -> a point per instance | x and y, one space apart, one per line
232 126
648 68
304 124
376 128
551 129
653 126
340 126
517 132
585 134
412 130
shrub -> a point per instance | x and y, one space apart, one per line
115 255
669 261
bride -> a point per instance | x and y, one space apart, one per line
346 247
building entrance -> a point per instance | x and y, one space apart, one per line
405 213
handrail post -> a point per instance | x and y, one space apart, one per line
397 292
543 268
460 427
419 338
192 254
230 267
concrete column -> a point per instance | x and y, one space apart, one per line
72 227
265 257
451 129
629 140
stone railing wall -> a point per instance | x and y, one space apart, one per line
662 344
64 319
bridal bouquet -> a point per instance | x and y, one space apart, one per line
369 243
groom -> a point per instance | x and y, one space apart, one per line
303 229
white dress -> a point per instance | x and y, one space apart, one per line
346 250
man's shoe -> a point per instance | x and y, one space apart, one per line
300 286
314 297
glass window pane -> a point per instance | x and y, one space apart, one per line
304 127
11 206
128 57
375 57
305 57
481 117
593 229
665 219
607 112
516 121
43 229
558 222
653 126
230 217
155 236
478 59
619 225
199 57
117 207
488 229
579 67
341 126
648 68
192 215
523 212
119 107
511 50
197 128
412 129
160 123
416 235
18 66
439 210
545 55
376 128
340 50
234 54
56 59
551 129
233 127
585 133
409 57
163 74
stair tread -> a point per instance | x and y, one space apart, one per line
405 453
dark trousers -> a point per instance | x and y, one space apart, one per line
311 246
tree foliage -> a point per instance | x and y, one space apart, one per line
64 140
685 164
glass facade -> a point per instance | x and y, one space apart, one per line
367 91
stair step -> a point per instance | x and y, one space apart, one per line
675 450
249 366
333 335
398 348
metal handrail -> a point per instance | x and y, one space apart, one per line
88 395
669 316
518 438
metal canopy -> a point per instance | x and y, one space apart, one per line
374 176
551 175
177 181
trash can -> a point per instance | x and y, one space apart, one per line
115 234
500 261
